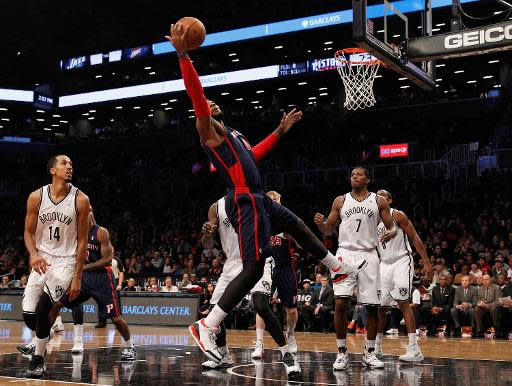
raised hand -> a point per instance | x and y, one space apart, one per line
289 119
178 37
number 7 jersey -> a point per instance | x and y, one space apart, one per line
56 229
359 221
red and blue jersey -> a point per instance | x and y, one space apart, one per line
94 246
282 250
235 162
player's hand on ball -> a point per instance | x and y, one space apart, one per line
178 37
319 218
38 263
74 290
289 119
209 228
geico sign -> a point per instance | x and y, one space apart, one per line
473 38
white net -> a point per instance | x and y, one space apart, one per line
357 69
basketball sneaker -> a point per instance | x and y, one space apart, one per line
224 363
341 361
76 374
36 367
58 327
291 365
413 354
205 338
128 354
27 349
78 346
258 350
370 360
292 343
345 270
378 350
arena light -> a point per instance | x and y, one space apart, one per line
439 79
239 99
487 77
90 118
3 109
168 108
56 115
323 94
63 121
152 73
147 68
302 83
278 47
232 54
235 60
40 111
322 88
173 100
493 61
471 81
119 107
7 94
7 119
441 65
328 43
220 79
136 107
260 91
224 93
40 119
164 104
458 72
55 125
47 129
281 89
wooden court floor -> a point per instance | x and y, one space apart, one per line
169 356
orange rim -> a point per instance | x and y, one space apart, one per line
337 56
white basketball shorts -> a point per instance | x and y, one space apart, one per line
396 281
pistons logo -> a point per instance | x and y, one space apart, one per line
403 291
276 241
109 308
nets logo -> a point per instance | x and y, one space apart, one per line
319 21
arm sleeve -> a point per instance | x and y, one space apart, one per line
194 88
263 148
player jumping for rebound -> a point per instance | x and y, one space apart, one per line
250 211
396 273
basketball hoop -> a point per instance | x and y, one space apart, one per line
357 69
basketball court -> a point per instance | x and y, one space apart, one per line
169 356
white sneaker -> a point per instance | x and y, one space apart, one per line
258 350
413 354
392 331
58 327
345 270
291 365
292 344
225 362
370 360
78 347
205 338
341 361
77 366
378 350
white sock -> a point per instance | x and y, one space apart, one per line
58 320
378 338
291 330
128 343
215 317
341 343
370 343
40 346
331 262
79 331
284 349
259 333
413 339
223 350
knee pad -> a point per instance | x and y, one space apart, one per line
30 320
43 309
78 314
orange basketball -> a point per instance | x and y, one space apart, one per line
196 31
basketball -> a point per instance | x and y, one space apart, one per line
196 31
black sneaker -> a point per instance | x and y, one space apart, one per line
27 349
36 367
100 325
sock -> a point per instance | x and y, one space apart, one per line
370 344
378 338
284 349
215 317
342 343
128 343
223 350
79 331
331 262
413 339
40 346
291 330
259 333
58 320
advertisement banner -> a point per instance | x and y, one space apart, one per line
395 150
136 52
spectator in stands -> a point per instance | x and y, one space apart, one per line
206 296
134 267
176 271
185 281
193 279
502 281
464 272
6 283
130 285
321 305
203 282
483 265
502 250
23 281
167 268
216 268
498 269
157 261
442 302
417 275
449 280
464 303
190 269
439 269
475 271
153 285
488 296
203 269
148 268
425 300
169 286
304 295
479 282
318 282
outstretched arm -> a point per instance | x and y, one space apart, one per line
327 227
207 133
261 150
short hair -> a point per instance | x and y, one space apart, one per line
387 193
467 276
51 163
440 276
365 171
